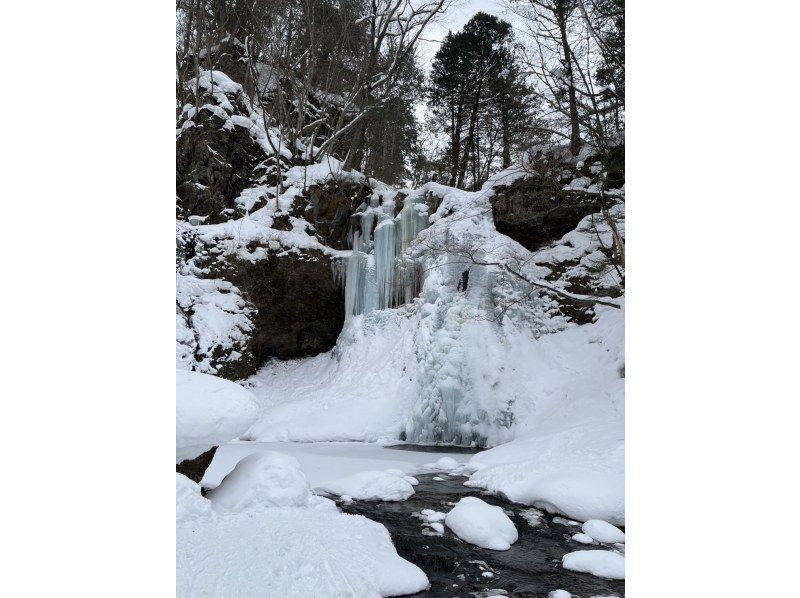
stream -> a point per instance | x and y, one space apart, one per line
532 567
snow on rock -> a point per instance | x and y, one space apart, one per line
482 524
601 563
446 464
291 552
532 516
190 504
212 319
559 594
603 531
210 411
371 485
583 538
262 480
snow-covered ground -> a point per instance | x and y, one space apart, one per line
261 532
287 552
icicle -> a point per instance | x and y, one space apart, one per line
385 251
353 280
367 222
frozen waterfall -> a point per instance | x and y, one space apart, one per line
378 274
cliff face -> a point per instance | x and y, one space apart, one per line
557 193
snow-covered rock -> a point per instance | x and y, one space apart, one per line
559 594
262 480
482 524
601 563
210 411
583 538
371 485
445 464
602 531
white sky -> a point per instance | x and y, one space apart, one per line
454 19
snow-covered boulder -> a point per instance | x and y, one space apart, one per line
210 411
262 480
482 524
190 504
602 531
446 464
371 485
601 563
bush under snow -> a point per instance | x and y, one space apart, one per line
210 411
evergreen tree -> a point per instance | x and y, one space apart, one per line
477 91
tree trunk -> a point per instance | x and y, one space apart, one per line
575 131
506 134
470 149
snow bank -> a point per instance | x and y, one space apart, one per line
603 531
482 524
190 504
569 456
290 552
257 547
601 563
371 485
262 480
210 411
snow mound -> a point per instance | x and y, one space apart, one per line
190 504
446 464
371 485
603 531
600 563
291 553
210 411
583 538
262 480
559 594
482 524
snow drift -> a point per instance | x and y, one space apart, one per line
210 411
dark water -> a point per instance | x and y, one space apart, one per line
435 448
531 568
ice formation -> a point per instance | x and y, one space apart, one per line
377 275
